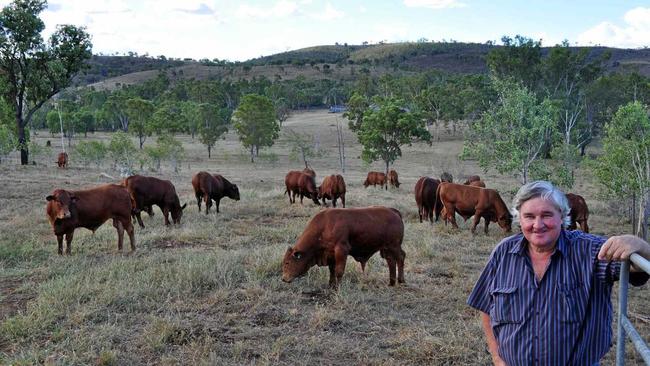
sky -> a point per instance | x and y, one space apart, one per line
240 30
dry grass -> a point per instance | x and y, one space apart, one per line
209 291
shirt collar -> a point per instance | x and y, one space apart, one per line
521 244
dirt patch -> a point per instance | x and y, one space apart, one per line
12 299
176 244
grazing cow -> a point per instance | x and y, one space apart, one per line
375 178
579 212
148 191
302 184
333 234
477 183
425 197
333 187
212 187
472 178
309 171
446 177
392 178
473 201
62 160
90 208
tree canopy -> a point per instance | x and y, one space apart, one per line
256 122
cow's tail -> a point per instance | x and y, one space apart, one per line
435 201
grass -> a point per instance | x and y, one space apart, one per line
209 291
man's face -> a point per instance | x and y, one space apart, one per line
541 222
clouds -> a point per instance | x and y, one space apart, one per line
634 33
434 4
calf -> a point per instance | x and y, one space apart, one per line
90 208
212 187
579 212
333 234
393 179
300 184
148 191
62 160
375 178
332 188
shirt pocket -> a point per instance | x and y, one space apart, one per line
506 305
572 299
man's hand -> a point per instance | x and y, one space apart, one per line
619 248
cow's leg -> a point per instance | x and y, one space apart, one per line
59 240
165 211
131 233
400 266
584 226
476 221
343 201
392 266
68 242
139 217
208 203
301 197
334 201
451 216
332 267
217 202
199 197
340 257
420 210
487 223
120 233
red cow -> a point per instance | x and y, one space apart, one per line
333 187
425 197
473 201
375 178
579 212
472 178
393 179
212 187
62 160
148 191
333 234
90 208
302 184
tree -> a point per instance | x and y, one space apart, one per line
140 112
123 152
32 70
519 59
169 118
213 124
511 135
85 120
624 167
357 105
8 141
302 145
256 123
115 108
91 152
386 127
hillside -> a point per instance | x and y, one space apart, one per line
337 62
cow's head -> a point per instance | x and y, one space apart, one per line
295 264
177 213
60 202
505 221
233 192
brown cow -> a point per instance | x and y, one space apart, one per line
212 187
472 178
62 160
477 183
425 197
473 201
375 178
333 234
148 191
333 187
392 178
90 208
579 212
302 184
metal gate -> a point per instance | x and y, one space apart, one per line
625 327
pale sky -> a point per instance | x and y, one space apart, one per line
241 30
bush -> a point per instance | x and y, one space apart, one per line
91 152
167 148
8 141
123 153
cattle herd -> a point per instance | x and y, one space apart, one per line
329 237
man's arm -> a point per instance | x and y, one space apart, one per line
619 248
493 346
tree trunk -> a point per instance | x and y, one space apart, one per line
209 152
386 161
22 141
252 153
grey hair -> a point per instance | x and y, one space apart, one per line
548 192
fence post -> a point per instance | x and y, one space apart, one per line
622 312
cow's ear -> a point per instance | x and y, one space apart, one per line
184 205
297 255
50 198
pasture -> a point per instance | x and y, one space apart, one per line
210 292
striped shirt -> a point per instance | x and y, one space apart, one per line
563 319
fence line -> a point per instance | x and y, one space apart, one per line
625 327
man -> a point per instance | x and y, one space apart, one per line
545 294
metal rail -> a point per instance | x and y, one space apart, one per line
624 327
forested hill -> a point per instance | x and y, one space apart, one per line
335 62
